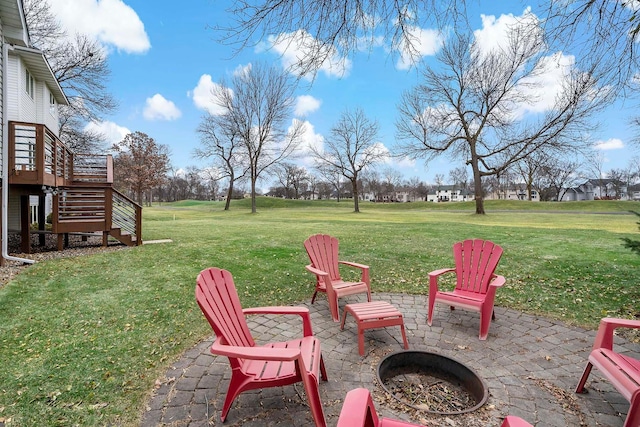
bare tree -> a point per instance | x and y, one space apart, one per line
333 28
460 177
530 169
140 164
332 179
474 105
220 141
602 34
257 108
292 178
350 148
80 65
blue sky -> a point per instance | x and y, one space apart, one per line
164 57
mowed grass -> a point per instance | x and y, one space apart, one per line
83 340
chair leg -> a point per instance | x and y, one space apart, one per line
583 379
432 302
313 397
313 298
633 416
485 323
235 388
360 340
323 371
404 337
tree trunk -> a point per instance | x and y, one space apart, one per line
253 195
477 186
356 204
229 193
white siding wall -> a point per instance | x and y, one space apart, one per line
13 101
21 106
50 112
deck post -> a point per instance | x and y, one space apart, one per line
25 235
42 218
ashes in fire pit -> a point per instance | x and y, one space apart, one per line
431 382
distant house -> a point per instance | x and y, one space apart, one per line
514 192
596 189
633 192
449 193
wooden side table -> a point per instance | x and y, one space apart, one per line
374 314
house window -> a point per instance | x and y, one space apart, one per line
52 103
29 83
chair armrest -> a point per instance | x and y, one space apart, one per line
497 281
301 311
354 264
433 279
255 353
365 270
357 405
604 338
436 273
316 271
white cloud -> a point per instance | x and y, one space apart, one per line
306 104
381 151
202 96
159 108
310 139
111 131
403 163
111 22
610 144
424 42
292 47
495 31
542 88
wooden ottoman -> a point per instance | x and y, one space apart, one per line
374 314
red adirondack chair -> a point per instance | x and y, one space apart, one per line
271 365
476 283
323 253
358 410
622 370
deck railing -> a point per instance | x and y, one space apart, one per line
38 157
90 209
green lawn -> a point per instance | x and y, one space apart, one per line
82 340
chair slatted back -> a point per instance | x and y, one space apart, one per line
218 299
323 253
476 262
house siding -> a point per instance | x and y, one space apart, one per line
21 106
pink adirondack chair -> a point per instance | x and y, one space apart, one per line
358 410
476 283
323 253
270 365
622 370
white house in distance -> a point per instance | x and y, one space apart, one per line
449 193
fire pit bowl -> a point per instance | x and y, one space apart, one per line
431 382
